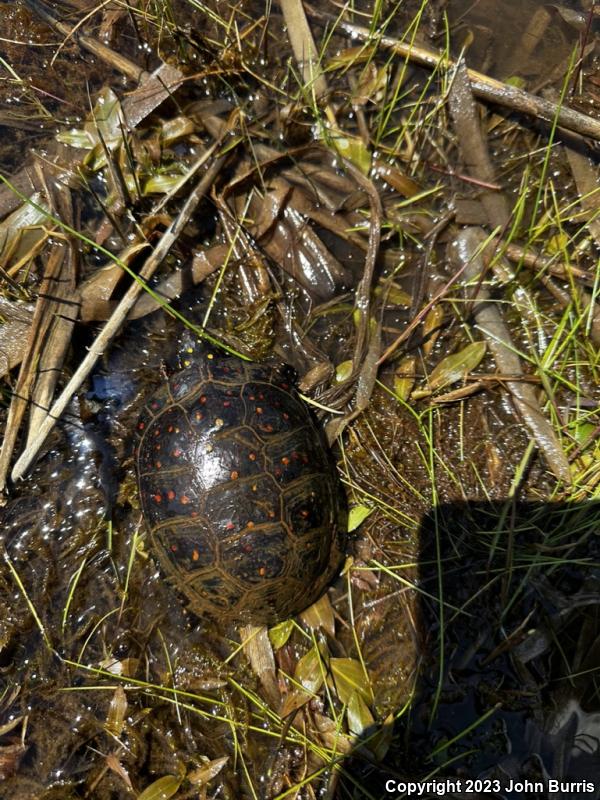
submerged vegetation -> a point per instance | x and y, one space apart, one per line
403 204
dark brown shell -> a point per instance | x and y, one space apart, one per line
239 492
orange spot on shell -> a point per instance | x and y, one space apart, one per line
250 524
262 571
252 456
195 555
177 452
285 460
234 475
170 495
184 499
259 410
157 498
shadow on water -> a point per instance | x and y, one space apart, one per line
508 695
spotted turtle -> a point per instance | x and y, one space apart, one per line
239 491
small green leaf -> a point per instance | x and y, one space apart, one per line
293 701
517 81
357 515
106 122
280 633
454 367
353 149
432 324
371 85
95 160
205 773
349 676
398 297
162 789
359 715
160 184
117 709
343 371
176 128
320 615
557 244
22 230
404 377
309 671
76 138
582 431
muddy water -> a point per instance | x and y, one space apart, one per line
510 39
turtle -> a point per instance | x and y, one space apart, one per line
239 491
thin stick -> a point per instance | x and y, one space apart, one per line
468 249
303 45
114 324
473 146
